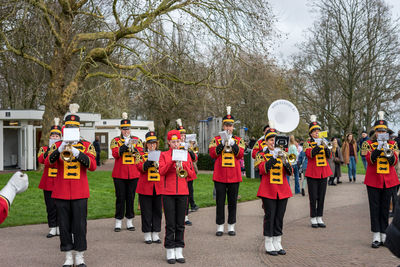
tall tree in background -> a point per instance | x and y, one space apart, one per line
350 63
116 46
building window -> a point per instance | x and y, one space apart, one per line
11 123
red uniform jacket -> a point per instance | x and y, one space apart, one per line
144 186
314 171
3 209
49 174
173 185
266 188
123 170
226 174
258 146
374 179
71 181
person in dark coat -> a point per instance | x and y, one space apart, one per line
393 232
96 145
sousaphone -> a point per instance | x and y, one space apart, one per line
284 115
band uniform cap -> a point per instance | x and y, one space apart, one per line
381 124
314 126
151 137
72 119
270 133
55 129
125 124
228 119
181 129
172 133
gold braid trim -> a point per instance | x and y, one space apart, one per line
113 144
365 148
213 143
242 144
259 159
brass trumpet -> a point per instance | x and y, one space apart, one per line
157 166
66 154
180 171
286 157
134 151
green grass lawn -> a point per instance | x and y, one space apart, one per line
29 207
359 167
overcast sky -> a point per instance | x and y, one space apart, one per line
294 17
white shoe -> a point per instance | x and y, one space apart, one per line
179 255
155 237
171 255
269 247
118 224
147 238
79 258
129 225
231 229
320 222
314 222
376 240
52 232
68 258
276 242
220 229
383 238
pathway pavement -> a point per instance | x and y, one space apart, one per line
345 241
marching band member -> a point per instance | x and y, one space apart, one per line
175 197
317 172
71 190
126 150
227 174
381 179
47 181
17 184
261 143
274 191
149 188
193 156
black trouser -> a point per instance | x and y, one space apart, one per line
50 208
191 198
316 194
174 212
394 198
274 210
151 209
379 203
72 217
222 190
125 196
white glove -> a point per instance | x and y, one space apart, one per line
231 142
75 152
127 140
18 183
275 152
380 145
61 147
318 141
52 142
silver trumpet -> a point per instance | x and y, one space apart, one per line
180 171
387 151
327 144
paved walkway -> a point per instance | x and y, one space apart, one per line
345 241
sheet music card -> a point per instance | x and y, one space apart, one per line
154 155
179 155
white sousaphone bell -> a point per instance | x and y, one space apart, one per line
285 117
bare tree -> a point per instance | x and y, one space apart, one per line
350 63
119 48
